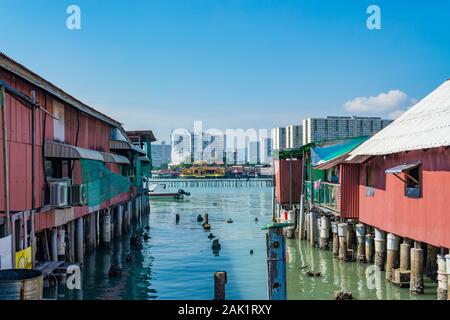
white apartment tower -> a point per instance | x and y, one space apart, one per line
332 128
278 138
294 136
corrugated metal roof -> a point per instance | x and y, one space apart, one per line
114 158
424 126
125 145
323 154
67 151
403 167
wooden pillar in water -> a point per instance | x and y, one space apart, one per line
324 232
220 280
416 283
61 243
79 247
431 263
369 247
54 244
442 289
342 232
276 262
391 256
301 220
334 229
380 248
308 226
361 244
106 229
312 228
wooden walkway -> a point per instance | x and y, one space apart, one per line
214 183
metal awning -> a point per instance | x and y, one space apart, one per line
114 158
125 145
403 167
144 159
61 150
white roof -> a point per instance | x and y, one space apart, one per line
426 125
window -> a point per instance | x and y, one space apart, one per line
413 183
370 176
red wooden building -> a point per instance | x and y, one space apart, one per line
52 138
405 184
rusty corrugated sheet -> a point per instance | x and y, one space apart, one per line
349 196
283 180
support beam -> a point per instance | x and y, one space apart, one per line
54 244
392 254
79 248
342 232
334 229
416 284
380 248
360 237
442 290
106 229
369 247
324 232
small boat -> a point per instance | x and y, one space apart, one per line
153 193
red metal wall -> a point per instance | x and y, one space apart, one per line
425 219
349 195
282 180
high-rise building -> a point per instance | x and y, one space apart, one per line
332 128
294 136
197 146
161 154
278 138
265 150
213 147
181 141
253 152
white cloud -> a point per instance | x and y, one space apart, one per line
382 103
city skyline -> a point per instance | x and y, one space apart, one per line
209 58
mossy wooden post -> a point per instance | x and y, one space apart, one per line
416 283
380 248
342 232
334 229
361 245
391 259
369 246
276 260
220 280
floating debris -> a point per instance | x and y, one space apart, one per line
251 251
256 219
211 236
230 220
216 245
312 273
304 267
177 217
114 271
343 295
215 204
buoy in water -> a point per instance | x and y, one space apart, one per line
230 221
211 236
199 218
251 251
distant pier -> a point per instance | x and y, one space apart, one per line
213 183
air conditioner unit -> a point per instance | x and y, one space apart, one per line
79 194
59 193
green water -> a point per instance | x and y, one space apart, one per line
360 279
178 263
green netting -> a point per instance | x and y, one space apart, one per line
101 183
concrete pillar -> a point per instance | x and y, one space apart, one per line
431 263
447 266
79 240
350 236
313 228
324 232
405 259
308 227
106 229
360 237
416 282
61 243
380 248
342 232
119 221
334 229
369 247
54 244
392 253
442 290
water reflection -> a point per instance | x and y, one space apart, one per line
363 280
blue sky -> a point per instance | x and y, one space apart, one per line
236 63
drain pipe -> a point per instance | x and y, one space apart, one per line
33 173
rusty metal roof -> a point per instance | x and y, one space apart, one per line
61 150
140 135
114 158
424 126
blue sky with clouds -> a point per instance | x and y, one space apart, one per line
233 63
